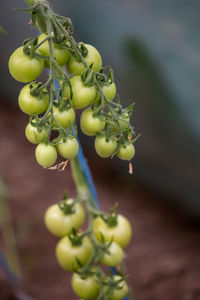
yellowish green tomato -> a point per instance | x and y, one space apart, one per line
103 147
120 233
86 288
46 155
109 91
82 95
60 54
92 57
122 123
114 257
23 68
126 152
31 104
119 294
34 136
67 254
68 148
61 224
91 125
65 118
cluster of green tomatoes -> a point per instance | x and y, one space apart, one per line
86 85
75 250
83 84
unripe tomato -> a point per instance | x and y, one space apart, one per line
120 233
23 68
122 124
114 257
103 147
126 152
65 118
30 104
61 224
67 254
119 294
68 148
46 155
109 91
91 125
34 136
86 288
60 54
93 57
82 95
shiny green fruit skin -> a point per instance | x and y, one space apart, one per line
66 253
114 257
46 155
65 118
86 288
93 57
119 294
82 95
59 223
69 148
91 125
34 136
126 152
105 148
60 54
109 91
23 68
30 104
120 233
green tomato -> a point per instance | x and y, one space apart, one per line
114 257
109 91
65 118
86 288
23 68
120 233
126 152
121 124
34 136
60 54
61 224
46 155
30 104
68 148
82 95
103 147
91 125
119 294
93 57
67 254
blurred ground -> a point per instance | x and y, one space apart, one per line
163 260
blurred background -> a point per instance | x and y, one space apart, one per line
154 49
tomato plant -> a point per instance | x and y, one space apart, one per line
86 287
23 67
46 155
33 104
61 218
105 146
71 255
51 107
120 230
34 135
83 95
91 56
91 124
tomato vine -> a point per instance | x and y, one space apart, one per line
83 82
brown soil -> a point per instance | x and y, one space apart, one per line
164 257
